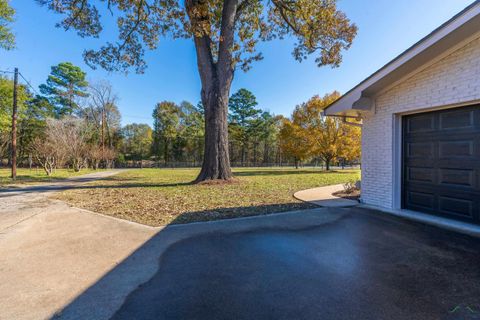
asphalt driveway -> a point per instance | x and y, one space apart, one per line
360 266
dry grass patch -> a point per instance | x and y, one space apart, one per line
162 196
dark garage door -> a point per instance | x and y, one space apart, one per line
441 163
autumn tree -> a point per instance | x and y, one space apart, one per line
7 38
294 142
225 34
330 138
65 85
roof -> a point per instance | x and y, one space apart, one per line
462 27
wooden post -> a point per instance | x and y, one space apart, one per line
14 126
103 136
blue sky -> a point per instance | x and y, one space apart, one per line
386 28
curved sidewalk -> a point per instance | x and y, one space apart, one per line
322 196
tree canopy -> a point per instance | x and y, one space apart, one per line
312 134
7 38
223 27
65 85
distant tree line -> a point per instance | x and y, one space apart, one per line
75 123
256 137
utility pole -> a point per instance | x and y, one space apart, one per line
103 136
14 126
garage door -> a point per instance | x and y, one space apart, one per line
441 163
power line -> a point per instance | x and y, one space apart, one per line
21 75
28 83
137 117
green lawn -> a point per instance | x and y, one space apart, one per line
163 196
27 176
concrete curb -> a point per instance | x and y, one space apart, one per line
444 223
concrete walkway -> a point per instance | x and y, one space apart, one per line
50 252
323 196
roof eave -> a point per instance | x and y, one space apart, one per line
463 26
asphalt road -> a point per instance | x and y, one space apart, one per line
362 266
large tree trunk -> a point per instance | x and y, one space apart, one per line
216 160
216 76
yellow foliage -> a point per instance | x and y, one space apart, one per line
311 134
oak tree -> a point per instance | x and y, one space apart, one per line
225 34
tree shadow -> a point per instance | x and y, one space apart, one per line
291 263
238 212
107 294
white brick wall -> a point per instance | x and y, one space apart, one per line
452 80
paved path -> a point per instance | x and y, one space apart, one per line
323 196
50 253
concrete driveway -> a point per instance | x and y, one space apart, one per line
50 253
326 263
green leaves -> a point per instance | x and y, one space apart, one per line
65 85
7 38
318 26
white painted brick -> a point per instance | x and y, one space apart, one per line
452 80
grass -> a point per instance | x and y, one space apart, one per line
27 176
164 196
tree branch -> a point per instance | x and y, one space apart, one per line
77 14
202 41
227 35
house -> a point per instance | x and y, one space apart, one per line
421 125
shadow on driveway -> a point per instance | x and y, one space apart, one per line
316 264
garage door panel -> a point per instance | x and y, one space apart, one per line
421 200
423 150
422 123
421 174
459 119
441 163
457 177
455 206
456 149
